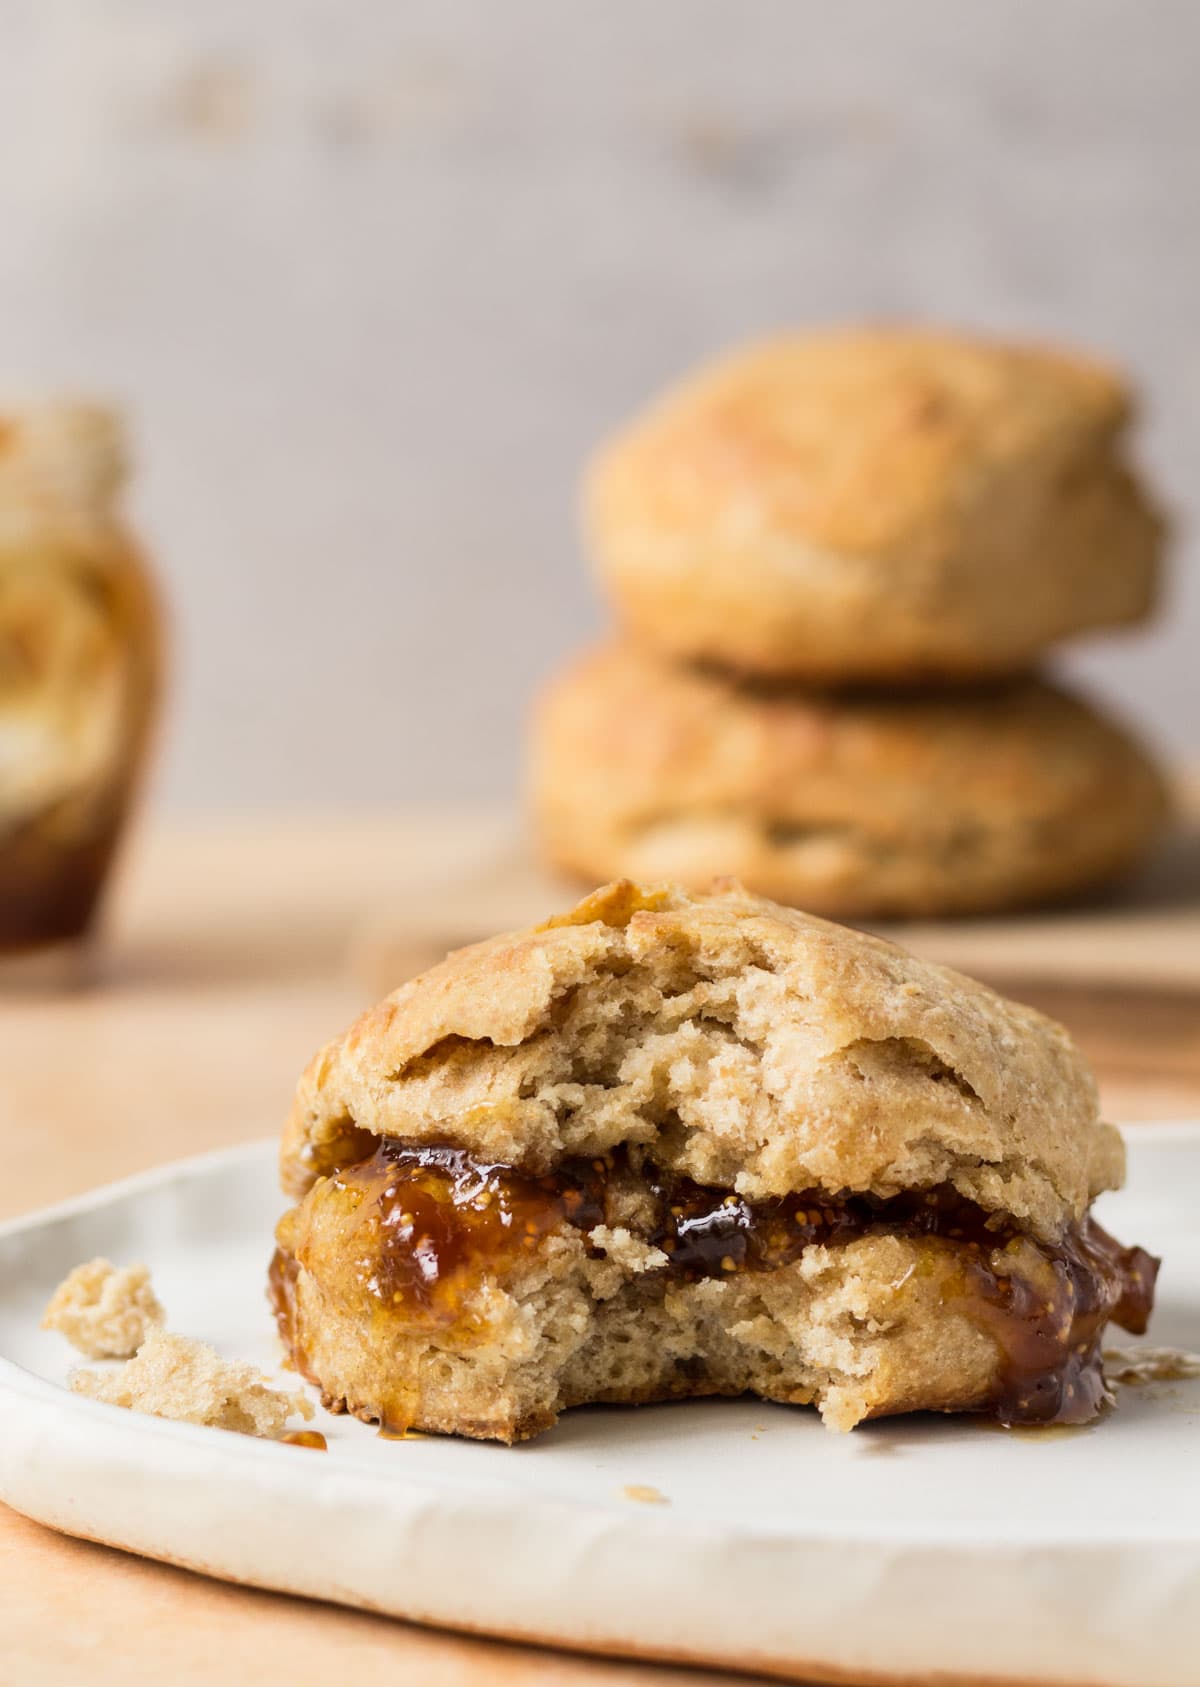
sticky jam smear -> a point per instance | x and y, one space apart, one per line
429 1222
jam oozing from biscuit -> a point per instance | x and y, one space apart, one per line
428 1224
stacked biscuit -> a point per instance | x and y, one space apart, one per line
836 560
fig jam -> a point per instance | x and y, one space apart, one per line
428 1223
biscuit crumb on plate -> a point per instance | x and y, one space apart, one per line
1150 1364
176 1377
643 1495
105 1311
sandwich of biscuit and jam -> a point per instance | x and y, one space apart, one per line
670 1145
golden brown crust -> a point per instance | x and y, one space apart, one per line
923 803
876 503
749 1046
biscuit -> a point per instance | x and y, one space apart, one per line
862 804
667 1145
876 504
186 1380
104 1310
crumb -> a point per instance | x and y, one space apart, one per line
644 1496
105 1311
626 1249
620 1254
176 1377
1150 1364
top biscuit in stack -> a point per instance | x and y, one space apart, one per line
876 505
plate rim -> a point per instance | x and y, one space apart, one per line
143 1485
116 1421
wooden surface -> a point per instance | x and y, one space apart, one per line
1144 934
233 951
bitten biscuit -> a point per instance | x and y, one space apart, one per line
667 1145
876 504
865 804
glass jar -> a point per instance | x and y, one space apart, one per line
80 654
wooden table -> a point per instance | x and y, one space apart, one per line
229 959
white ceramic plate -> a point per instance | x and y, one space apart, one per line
907 1550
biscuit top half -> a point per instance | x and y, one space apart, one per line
745 1045
872 442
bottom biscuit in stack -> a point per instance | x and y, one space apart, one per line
668 1145
855 804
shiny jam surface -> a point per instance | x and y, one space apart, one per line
429 1222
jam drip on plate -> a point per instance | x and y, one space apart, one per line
429 1223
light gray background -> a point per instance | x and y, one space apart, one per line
372 277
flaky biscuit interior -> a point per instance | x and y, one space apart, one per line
744 1045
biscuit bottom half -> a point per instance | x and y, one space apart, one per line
421 1288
